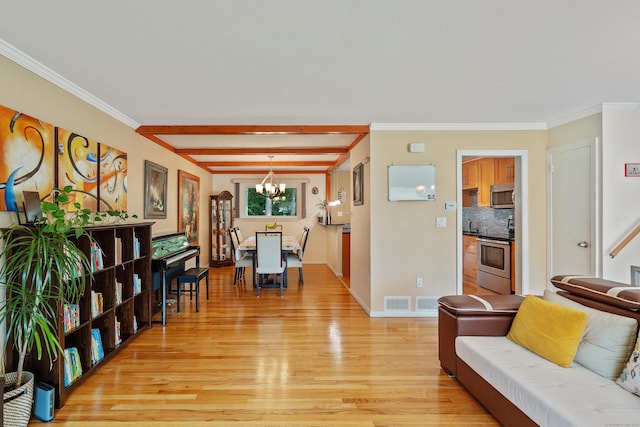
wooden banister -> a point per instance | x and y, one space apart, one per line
625 242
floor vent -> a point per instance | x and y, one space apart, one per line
427 303
397 303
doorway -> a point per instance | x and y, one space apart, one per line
519 216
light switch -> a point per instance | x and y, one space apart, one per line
441 222
449 206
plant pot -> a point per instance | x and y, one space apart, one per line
18 402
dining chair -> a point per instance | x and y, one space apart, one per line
238 234
269 259
294 260
241 262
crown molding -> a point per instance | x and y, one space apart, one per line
51 76
596 109
456 126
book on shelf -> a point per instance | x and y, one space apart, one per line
117 329
136 246
137 284
97 257
97 304
97 349
72 366
118 247
71 317
118 300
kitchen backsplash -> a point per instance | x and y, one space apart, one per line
495 221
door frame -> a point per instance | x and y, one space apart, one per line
521 212
596 202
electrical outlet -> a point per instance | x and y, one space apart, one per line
441 222
418 282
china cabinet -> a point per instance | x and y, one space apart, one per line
220 222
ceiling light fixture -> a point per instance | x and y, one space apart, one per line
268 188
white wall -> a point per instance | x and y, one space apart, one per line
620 194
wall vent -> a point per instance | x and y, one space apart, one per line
397 303
427 303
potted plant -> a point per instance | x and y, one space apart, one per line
322 210
39 274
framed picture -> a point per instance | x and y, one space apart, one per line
632 169
155 190
358 185
188 205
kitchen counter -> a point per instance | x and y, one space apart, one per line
489 236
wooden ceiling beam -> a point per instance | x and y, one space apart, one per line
267 164
260 151
252 129
264 172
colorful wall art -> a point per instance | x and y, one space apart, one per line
78 167
26 157
113 179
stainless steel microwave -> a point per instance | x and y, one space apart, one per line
502 195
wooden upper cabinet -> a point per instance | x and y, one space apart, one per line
504 170
485 179
470 175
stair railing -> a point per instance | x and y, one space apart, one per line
625 242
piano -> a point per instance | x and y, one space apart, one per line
169 253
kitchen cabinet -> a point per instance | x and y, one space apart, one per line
220 222
486 169
470 174
504 170
469 258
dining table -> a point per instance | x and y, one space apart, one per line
290 245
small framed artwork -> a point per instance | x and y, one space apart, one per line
632 169
155 190
358 185
188 205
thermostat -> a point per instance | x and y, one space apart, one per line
449 206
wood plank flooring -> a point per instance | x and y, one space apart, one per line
310 358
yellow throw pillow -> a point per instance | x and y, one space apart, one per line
549 330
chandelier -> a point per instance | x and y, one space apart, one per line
268 188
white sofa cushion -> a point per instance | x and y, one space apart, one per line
607 341
547 393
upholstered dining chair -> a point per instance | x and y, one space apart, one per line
238 234
242 262
294 260
269 259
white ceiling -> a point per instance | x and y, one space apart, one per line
331 62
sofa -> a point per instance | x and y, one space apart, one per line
570 357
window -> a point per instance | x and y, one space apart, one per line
256 205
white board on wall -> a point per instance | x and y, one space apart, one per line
412 182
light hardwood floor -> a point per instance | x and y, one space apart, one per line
311 358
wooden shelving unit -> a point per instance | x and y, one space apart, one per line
122 263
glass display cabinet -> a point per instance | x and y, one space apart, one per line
221 221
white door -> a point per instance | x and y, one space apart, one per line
572 209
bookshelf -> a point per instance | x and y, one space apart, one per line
114 309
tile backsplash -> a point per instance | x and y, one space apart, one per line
495 221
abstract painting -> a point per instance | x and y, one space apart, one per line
26 157
113 179
78 167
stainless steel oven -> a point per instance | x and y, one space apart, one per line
494 264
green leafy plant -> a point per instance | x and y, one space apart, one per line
44 269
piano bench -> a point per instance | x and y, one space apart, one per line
193 276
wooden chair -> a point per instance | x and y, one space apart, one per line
294 260
269 259
241 263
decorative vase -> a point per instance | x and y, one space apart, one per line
18 402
